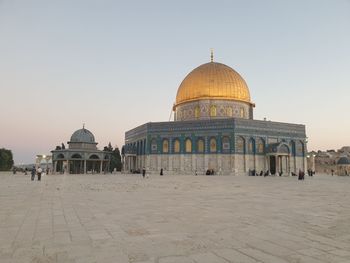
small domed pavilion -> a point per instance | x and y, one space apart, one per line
82 155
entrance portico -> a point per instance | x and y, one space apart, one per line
278 158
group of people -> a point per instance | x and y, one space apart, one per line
37 172
210 172
310 172
262 173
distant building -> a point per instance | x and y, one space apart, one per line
82 155
214 129
327 161
343 166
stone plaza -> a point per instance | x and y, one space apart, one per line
170 219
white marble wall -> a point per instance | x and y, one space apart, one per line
222 164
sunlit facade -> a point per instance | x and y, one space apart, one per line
214 129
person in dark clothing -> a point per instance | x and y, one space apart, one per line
161 171
33 171
143 172
301 175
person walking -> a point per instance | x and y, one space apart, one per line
161 171
33 173
39 173
143 172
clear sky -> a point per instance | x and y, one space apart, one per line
114 65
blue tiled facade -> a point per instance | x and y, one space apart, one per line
140 140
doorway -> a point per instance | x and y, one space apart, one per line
272 164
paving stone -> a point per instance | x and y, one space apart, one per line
207 258
234 256
122 218
175 259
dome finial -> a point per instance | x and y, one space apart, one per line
211 55
83 125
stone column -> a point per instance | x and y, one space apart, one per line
194 164
68 168
280 162
182 163
148 162
101 166
255 162
159 162
219 162
170 162
84 166
267 162
206 162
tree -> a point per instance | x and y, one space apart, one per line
116 159
6 159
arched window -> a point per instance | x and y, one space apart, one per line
300 148
212 145
176 146
283 149
94 157
212 111
200 146
188 146
292 143
197 112
78 156
225 144
251 146
242 113
261 146
229 111
154 145
240 144
165 146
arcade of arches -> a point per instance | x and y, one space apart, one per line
81 157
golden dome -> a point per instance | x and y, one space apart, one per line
213 81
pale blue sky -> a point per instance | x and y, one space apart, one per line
115 65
